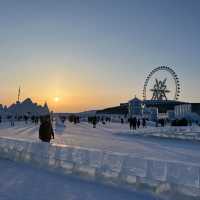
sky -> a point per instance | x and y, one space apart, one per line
89 54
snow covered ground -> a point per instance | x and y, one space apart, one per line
22 182
113 137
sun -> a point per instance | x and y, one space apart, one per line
56 99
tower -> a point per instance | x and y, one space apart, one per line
19 93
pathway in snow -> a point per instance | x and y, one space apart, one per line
112 137
22 182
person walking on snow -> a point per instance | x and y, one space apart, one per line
46 132
144 122
138 123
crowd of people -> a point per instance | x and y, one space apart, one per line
135 123
46 132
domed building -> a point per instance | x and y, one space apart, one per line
24 108
135 107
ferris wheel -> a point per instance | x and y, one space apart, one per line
160 89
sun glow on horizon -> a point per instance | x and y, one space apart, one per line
56 99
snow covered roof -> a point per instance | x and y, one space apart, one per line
27 107
135 100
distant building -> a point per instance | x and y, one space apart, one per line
170 114
25 108
170 109
182 110
150 113
153 114
135 107
188 111
196 108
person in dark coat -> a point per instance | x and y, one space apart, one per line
138 123
144 122
94 121
134 123
130 120
12 123
46 131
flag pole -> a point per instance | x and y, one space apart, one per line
19 92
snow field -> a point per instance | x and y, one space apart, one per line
162 177
113 137
23 182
